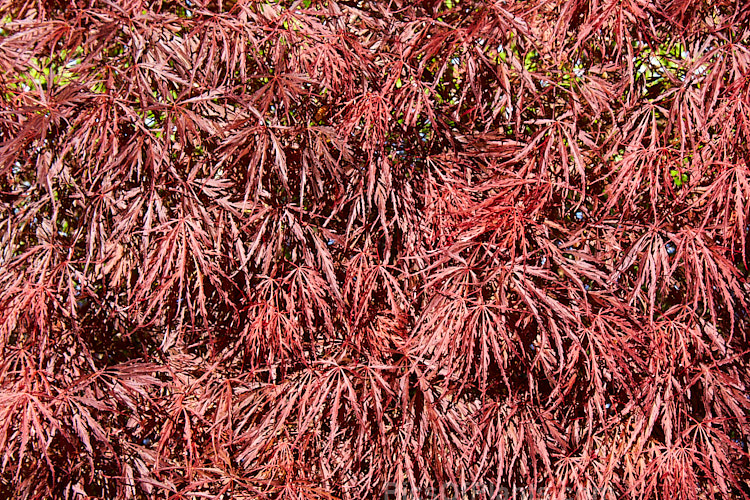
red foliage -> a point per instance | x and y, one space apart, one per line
354 249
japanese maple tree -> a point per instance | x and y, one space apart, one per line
322 249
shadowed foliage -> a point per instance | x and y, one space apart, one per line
329 249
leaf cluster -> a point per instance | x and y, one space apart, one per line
344 249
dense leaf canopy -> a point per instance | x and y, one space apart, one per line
346 249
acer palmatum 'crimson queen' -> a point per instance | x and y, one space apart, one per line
356 249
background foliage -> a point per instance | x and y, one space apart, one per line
332 249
